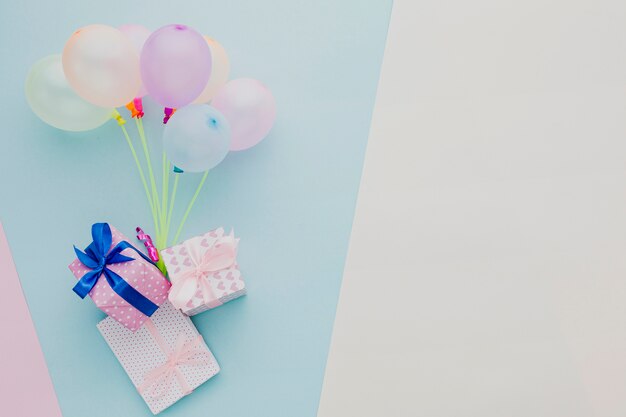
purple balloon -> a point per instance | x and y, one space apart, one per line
175 65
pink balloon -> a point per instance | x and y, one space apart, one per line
250 109
138 35
175 65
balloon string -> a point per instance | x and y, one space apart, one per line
155 192
171 209
191 203
141 175
164 175
164 197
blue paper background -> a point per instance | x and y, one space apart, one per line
290 199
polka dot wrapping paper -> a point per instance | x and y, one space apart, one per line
151 348
139 273
208 262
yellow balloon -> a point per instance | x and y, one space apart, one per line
53 100
220 67
102 66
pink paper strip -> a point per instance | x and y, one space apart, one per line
25 386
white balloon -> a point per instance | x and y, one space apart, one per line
138 35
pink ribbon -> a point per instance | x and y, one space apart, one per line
168 112
220 256
158 382
147 242
139 107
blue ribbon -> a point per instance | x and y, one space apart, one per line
97 257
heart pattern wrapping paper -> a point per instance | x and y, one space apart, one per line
208 263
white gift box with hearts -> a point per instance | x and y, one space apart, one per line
204 272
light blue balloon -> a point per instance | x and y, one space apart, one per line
196 138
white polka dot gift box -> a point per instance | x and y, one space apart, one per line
166 359
119 278
204 272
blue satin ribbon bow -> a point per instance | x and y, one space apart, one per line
97 257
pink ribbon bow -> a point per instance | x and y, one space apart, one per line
185 285
157 382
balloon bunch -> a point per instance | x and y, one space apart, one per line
103 68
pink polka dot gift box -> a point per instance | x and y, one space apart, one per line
119 278
204 272
166 359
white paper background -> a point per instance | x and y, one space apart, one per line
486 273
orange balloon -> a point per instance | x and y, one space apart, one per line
102 66
220 67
